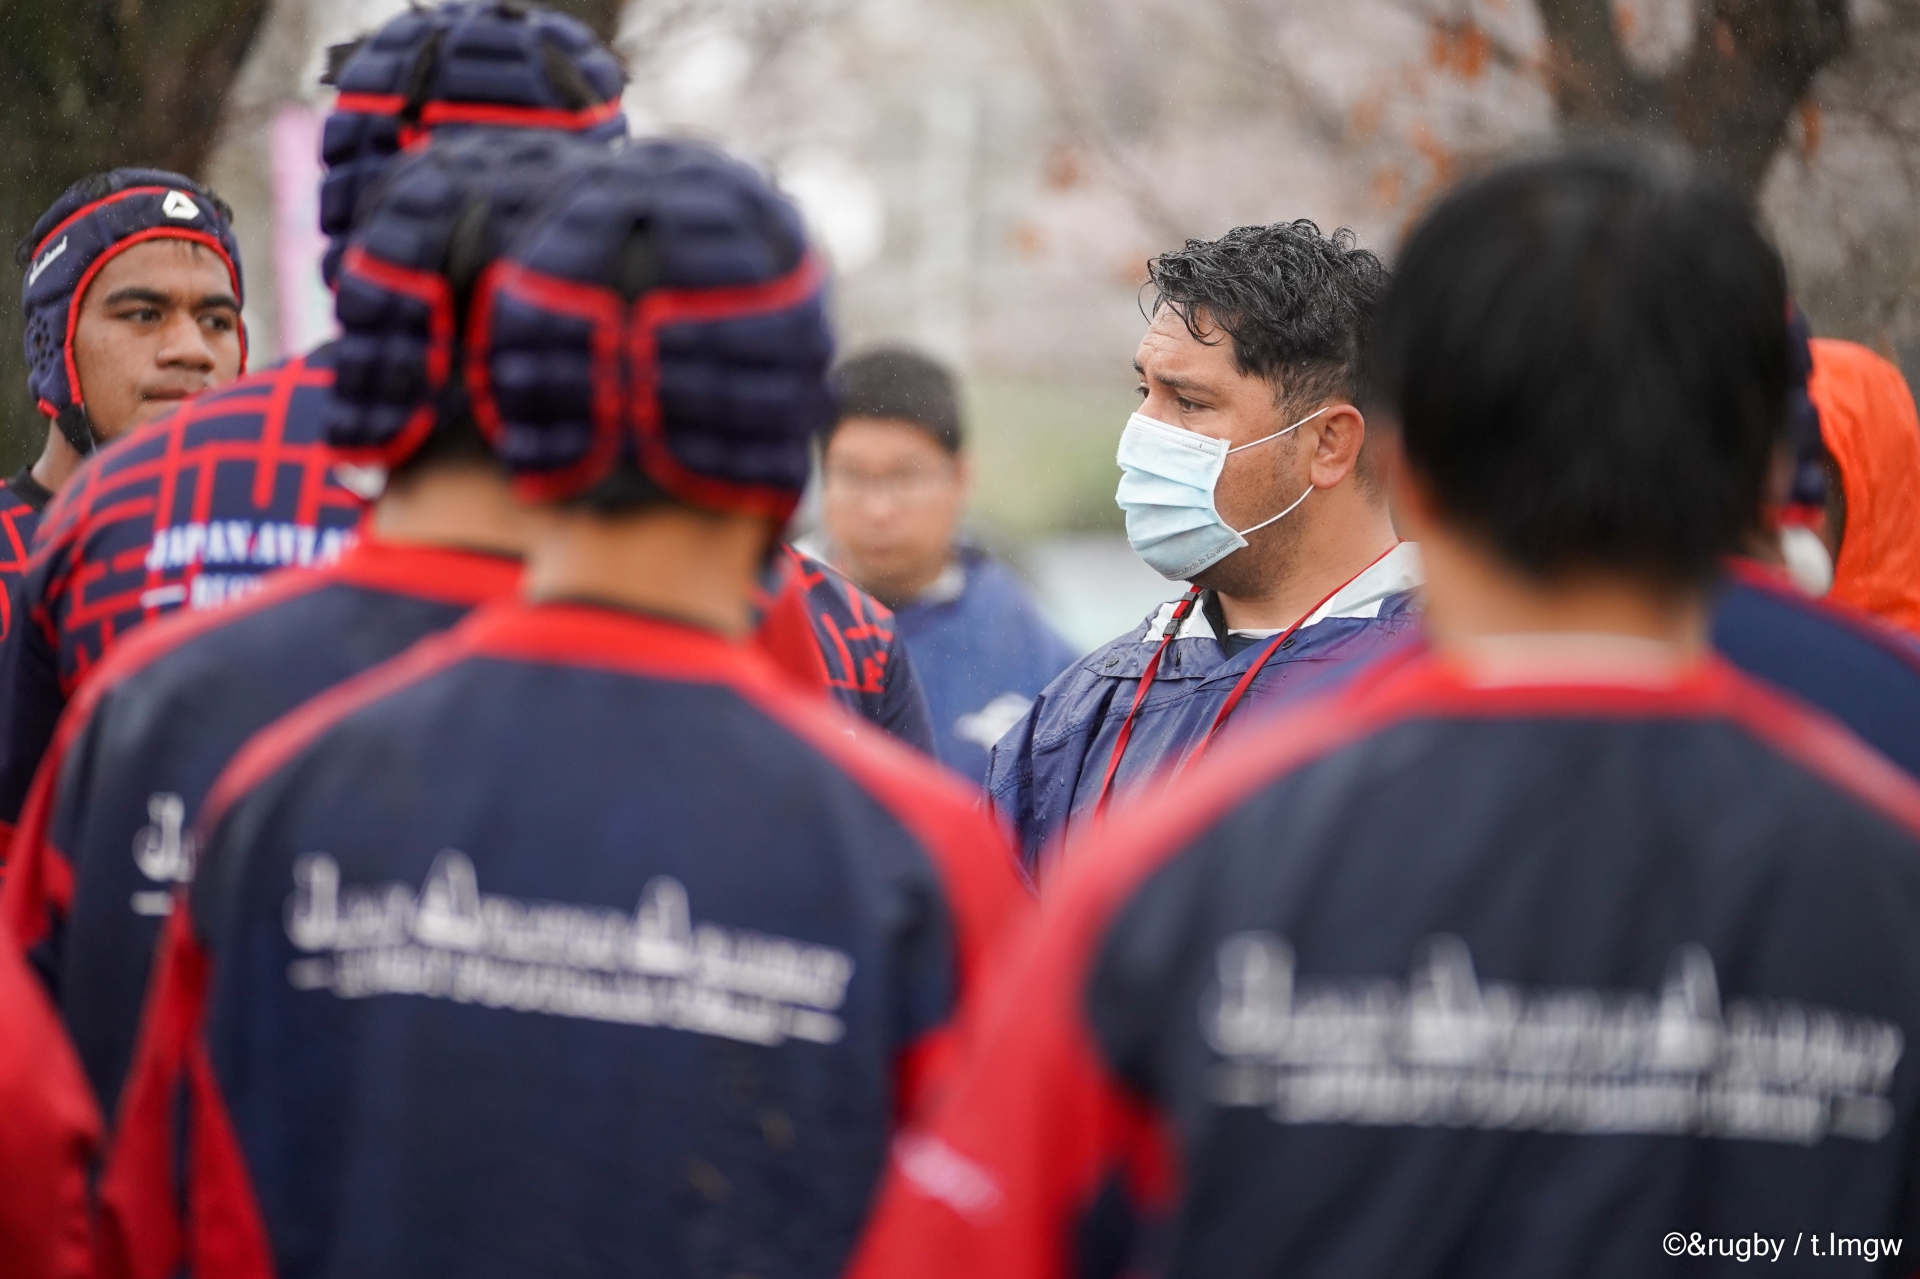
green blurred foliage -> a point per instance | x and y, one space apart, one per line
1043 454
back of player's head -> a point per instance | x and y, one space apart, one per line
659 331
1294 301
1587 356
460 65
893 383
94 220
426 232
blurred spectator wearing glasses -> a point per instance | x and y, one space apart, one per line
897 479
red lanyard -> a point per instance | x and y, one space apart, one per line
1181 611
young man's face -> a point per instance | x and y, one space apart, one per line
893 501
158 323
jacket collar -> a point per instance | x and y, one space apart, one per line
1398 571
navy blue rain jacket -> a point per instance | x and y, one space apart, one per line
982 652
1046 772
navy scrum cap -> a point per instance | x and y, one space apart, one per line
460 65
425 233
664 311
96 219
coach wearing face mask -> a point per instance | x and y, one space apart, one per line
1246 475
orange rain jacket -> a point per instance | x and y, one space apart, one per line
1868 422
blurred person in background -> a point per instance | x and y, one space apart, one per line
895 482
132 298
1245 473
238 482
108 830
1871 528
642 963
1781 613
836 639
1509 959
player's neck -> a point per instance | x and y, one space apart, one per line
1473 597
457 504
1348 534
700 566
56 463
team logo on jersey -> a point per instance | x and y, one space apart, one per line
1444 1049
654 967
179 204
163 850
986 726
46 260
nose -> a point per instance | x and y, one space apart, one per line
184 345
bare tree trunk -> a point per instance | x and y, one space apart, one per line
602 15
1728 100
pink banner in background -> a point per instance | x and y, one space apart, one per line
306 305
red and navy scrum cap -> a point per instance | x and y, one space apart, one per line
424 234
468 63
664 311
96 219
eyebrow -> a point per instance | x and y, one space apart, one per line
154 297
1177 383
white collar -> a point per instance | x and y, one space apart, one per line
1397 571
1570 657
950 585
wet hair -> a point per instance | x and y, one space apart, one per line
1295 302
1587 357
893 382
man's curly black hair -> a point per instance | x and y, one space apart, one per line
1296 302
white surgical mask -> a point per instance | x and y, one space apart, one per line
1167 479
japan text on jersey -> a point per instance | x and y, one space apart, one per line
191 510
108 831
743 968
1431 977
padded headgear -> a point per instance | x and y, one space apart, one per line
467 63
663 311
425 234
96 219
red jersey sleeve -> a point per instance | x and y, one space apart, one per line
49 1136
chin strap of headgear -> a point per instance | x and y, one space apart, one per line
77 428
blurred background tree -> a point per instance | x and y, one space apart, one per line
989 177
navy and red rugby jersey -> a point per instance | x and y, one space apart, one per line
576 940
1510 969
108 829
189 510
1854 666
22 499
849 646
